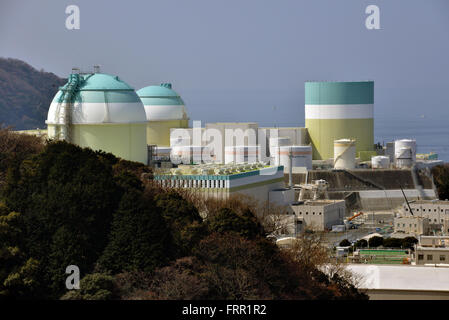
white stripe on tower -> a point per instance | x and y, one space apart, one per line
339 111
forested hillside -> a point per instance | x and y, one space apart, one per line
62 205
25 94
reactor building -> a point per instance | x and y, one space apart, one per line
102 112
339 110
164 110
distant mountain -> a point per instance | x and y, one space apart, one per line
25 94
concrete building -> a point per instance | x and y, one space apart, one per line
339 110
437 211
429 255
221 181
412 225
102 112
434 241
433 250
320 215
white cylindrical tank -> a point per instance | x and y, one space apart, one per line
241 154
404 157
405 143
301 156
274 145
380 162
344 154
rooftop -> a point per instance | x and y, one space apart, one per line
403 277
441 202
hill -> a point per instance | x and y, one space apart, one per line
25 94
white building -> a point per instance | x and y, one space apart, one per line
320 214
221 181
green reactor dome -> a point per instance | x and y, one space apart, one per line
102 112
162 103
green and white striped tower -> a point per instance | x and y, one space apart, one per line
339 110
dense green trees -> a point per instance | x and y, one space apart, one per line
441 179
139 239
63 205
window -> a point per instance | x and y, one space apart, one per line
420 257
442 258
417 209
415 225
410 225
406 209
403 225
307 213
429 257
300 212
424 210
434 210
399 224
319 213
313 213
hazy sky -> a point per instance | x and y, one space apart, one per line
235 60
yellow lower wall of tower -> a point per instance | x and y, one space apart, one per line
127 141
323 132
158 132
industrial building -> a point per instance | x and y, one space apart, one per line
412 225
164 110
339 110
432 250
335 148
320 215
221 181
437 211
102 112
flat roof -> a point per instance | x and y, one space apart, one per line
433 248
401 277
317 202
430 202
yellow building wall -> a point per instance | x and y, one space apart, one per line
158 132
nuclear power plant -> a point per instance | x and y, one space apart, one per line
332 158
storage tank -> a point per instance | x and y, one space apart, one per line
101 112
344 154
404 158
380 162
164 110
241 154
337 110
301 156
405 143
